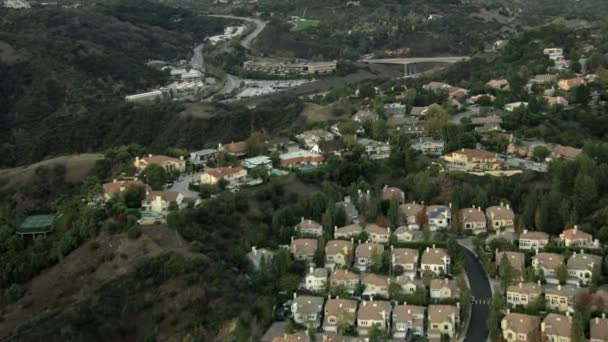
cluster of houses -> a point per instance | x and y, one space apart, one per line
554 327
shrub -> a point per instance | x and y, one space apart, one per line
134 232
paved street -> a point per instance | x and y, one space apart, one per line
482 294
181 185
526 164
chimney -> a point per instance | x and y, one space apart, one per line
575 227
136 159
520 285
559 287
525 231
508 206
295 295
450 205
254 250
329 296
597 319
292 239
311 269
502 204
302 219
181 157
433 246
364 303
428 249
478 208
508 311
114 180
385 186
340 305
149 156
352 240
603 315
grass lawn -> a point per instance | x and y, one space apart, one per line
303 24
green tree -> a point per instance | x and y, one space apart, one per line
582 95
540 153
497 306
506 272
393 214
155 176
585 193
367 90
436 121
562 274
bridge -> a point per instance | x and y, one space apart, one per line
409 64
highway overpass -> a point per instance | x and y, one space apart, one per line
416 60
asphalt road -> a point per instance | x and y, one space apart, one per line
482 295
449 59
259 27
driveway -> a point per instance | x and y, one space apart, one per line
482 295
181 185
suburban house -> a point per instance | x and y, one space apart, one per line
523 294
347 128
428 145
525 148
547 265
364 254
338 253
581 267
203 156
375 285
407 234
159 202
307 310
395 109
511 107
259 256
339 314
476 98
116 187
407 259
499 84
553 101
391 193
378 234
520 327
237 149
335 147
309 227
556 328
344 278
295 337
352 214
373 313
375 149
500 217
229 174
315 136
259 161
575 237
565 152
444 289
412 214
562 297
169 164
599 329
408 318
347 232
435 260
303 249
316 279
516 260
408 284
300 157
438 216
543 79
533 240
365 115
472 159
473 220
570 83
442 320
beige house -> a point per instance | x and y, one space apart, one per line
391 193
444 289
547 265
303 249
556 328
581 267
159 202
435 260
365 254
339 314
309 227
520 327
339 253
169 164
575 237
347 232
599 329
373 313
442 320
472 160
408 318
375 285
116 187
533 240
407 259
516 259
408 285
561 297
473 220
500 217
499 84
378 234
406 234
344 278
229 174
412 214
568 84
523 294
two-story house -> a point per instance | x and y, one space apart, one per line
316 279
119 186
375 285
412 214
378 234
547 264
160 202
470 159
561 297
438 216
373 313
533 240
230 174
407 259
515 259
339 314
303 249
408 318
407 234
168 163
599 329
442 320
523 294
365 254
581 267
348 231
444 289
315 136
500 217
339 253
344 279
307 310
309 227
556 328
575 237
473 220
520 327
435 260
393 194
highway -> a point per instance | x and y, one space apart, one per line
453 59
259 27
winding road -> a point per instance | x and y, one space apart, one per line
259 27
482 295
